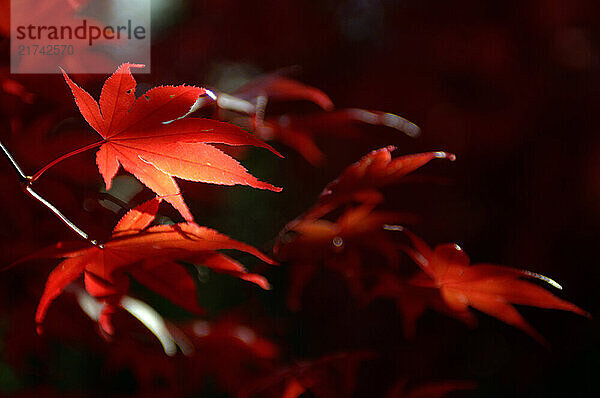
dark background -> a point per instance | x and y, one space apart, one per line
511 87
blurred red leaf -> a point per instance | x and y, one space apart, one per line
282 88
227 351
330 376
11 86
310 242
412 301
298 131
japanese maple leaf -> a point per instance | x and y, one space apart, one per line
149 255
491 289
251 100
282 88
361 180
341 245
298 132
413 300
151 140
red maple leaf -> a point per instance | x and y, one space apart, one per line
279 87
298 131
312 240
413 300
149 137
491 289
361 180
149 255
341 245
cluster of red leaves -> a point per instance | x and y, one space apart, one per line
149 255
227 351
150 138
312 239
154 138
335 376
247 106
446 282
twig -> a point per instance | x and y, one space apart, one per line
22 177
26 182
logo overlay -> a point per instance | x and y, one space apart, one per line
80 36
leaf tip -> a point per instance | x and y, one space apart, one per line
129 65
445 155
392 227
541 277
65 75
579 311
263 283
267 186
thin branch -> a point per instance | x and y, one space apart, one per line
26 182
61 216
22 177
